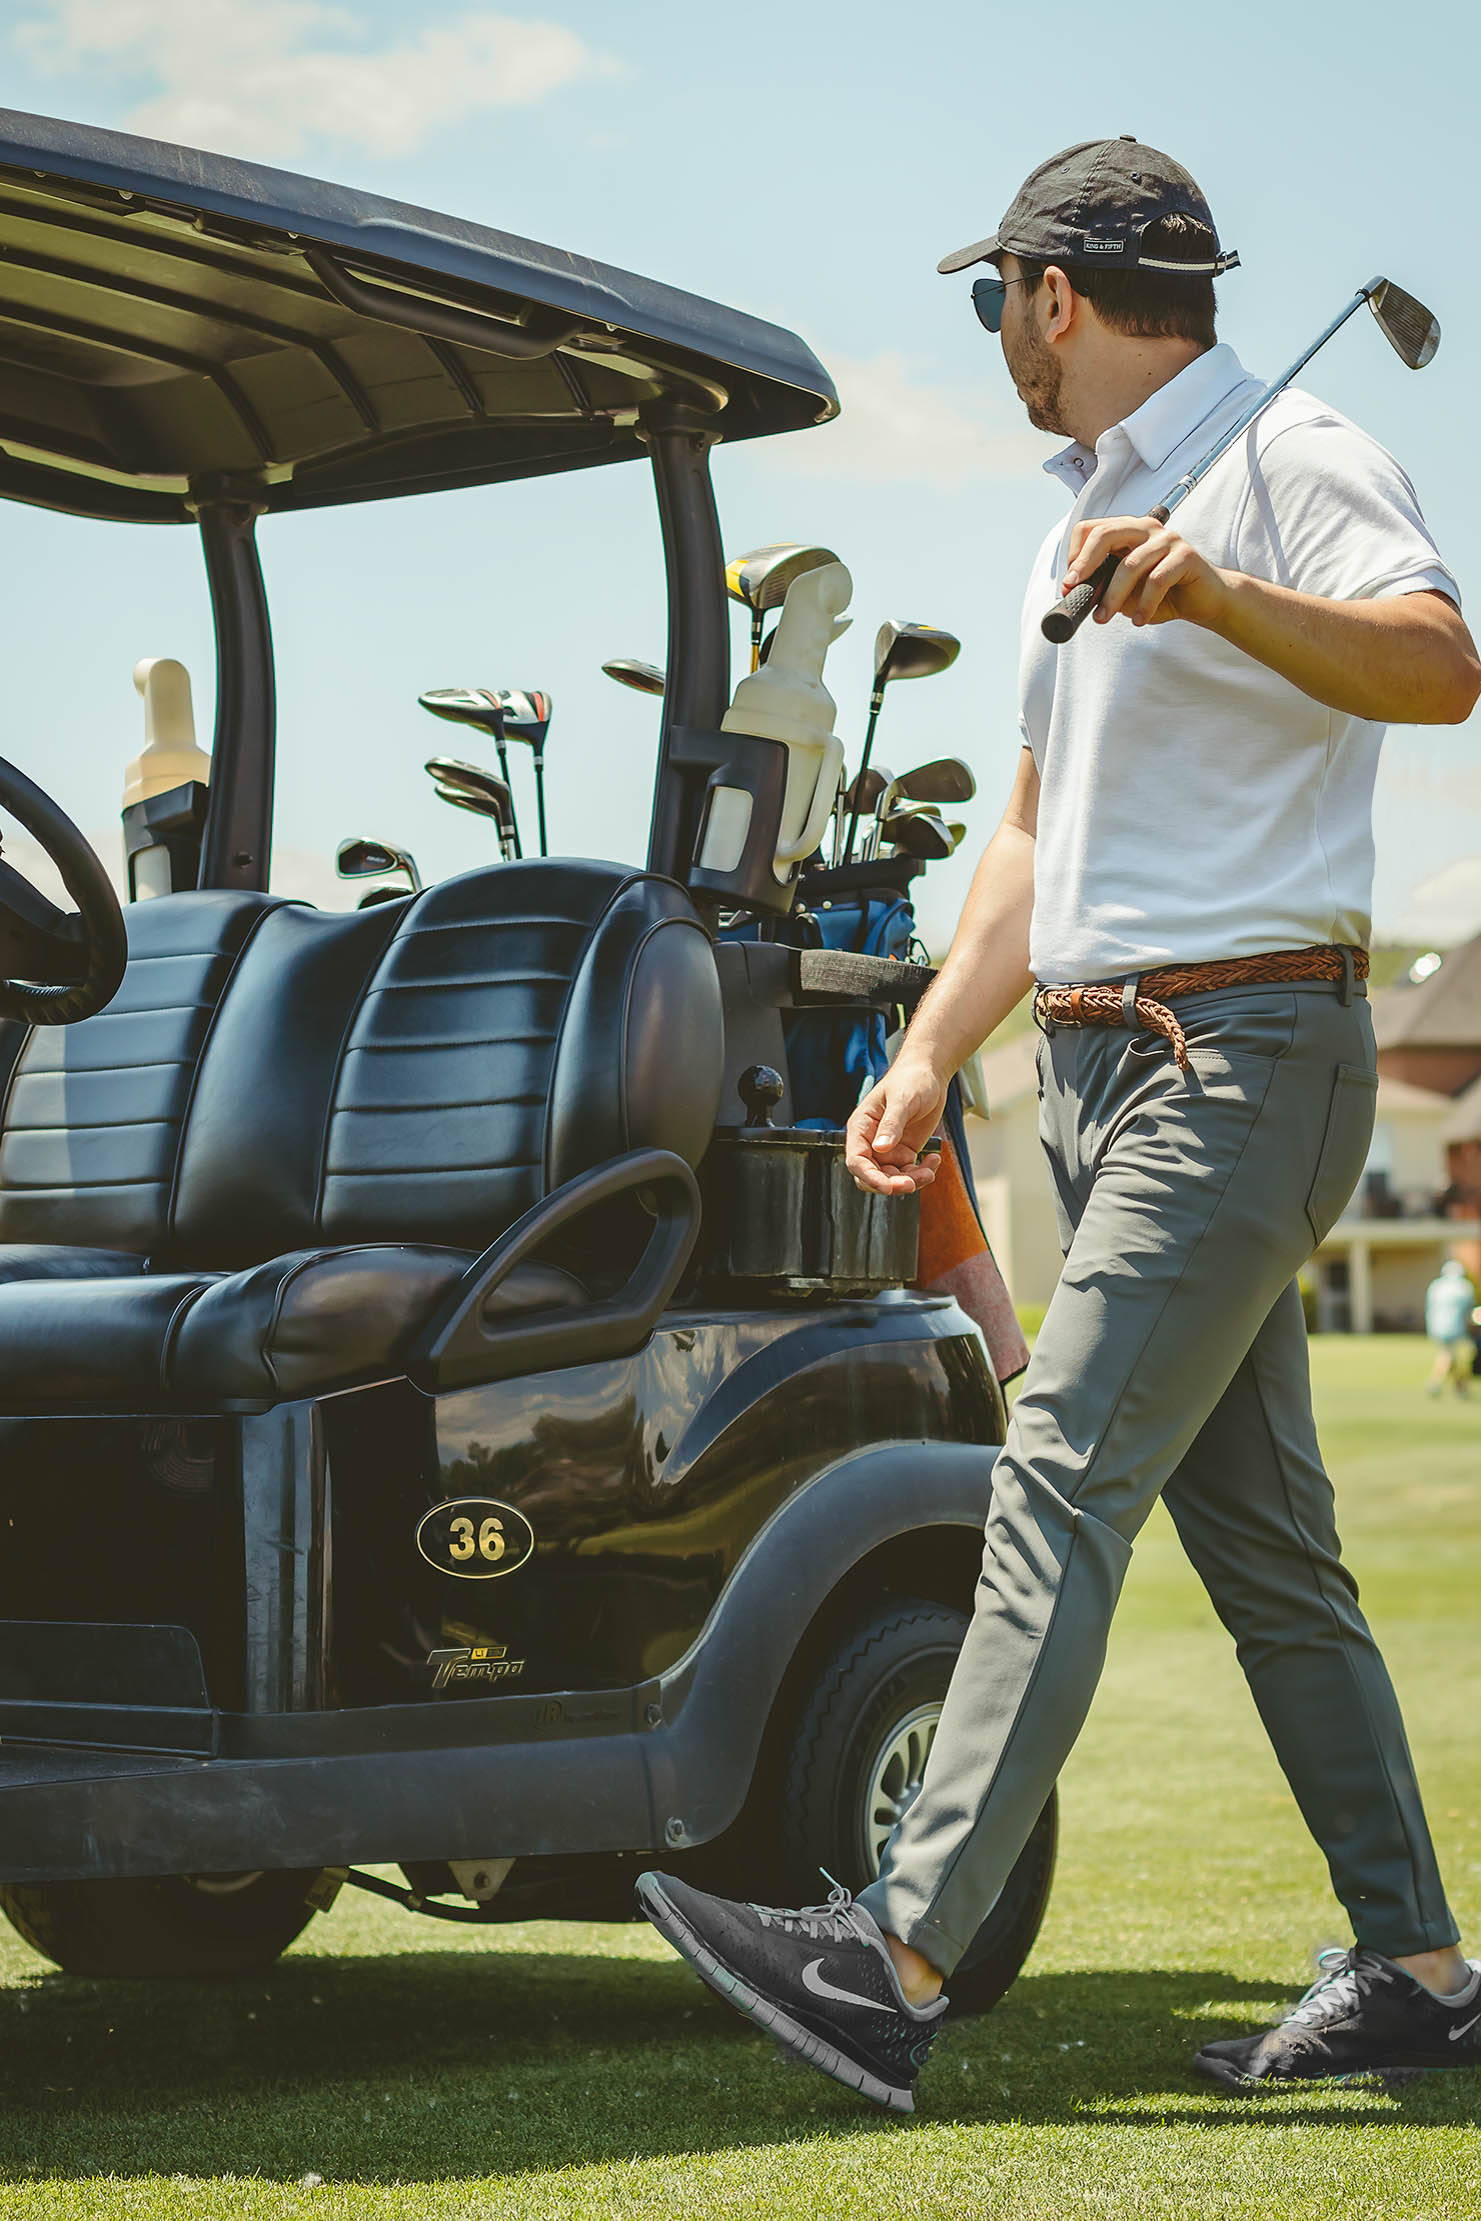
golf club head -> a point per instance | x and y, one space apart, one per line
903 650
362 859
944 779
1407 325
471 778
526 714
643 678
919 833
489 806
465 705
760 580
864 791
956 832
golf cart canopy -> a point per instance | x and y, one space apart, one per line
178 328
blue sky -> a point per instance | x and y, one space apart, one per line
809 165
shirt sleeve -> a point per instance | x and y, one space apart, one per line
1329 512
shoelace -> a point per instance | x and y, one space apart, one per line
1345 1979
830 1922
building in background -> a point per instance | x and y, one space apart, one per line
1418 1202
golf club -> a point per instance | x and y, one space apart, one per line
917 831
476 706
643 678
467 783
944 779
901 651
463 798
362 859
861 796
759 581
526 716
1410 330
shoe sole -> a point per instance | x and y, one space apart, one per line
1395 2073
675 1929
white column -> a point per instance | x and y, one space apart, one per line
1360 1285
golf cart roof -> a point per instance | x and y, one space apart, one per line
178 326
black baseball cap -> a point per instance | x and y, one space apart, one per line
1089 206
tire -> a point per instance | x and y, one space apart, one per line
854 1763
202 1925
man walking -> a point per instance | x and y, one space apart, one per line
1184 867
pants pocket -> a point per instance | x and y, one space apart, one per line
1345 1144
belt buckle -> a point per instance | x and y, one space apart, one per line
1039 1013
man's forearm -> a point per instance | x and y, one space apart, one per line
1406 660
986 972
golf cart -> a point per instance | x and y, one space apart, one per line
443 1427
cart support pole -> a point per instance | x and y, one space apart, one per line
679 439
236 849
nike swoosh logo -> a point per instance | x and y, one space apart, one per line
1455 2033
814 1981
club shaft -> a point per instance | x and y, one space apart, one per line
1067 616
540 800
853 823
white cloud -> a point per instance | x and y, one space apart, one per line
1445 906
897 426
267 77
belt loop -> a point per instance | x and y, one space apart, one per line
1128 1003
1348 973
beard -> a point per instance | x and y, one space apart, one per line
1037 373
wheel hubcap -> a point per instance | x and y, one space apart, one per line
893 1779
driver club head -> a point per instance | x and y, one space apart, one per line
465 705
760 579
904 650
944 779
643 678
526 714
1408 326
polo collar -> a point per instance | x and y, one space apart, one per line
1164 421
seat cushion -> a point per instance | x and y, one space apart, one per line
93 1343
48 1261
320 1319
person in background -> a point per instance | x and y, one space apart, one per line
1449 1301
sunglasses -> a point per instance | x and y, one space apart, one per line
988 296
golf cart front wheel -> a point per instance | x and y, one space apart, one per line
176 1924
864 1730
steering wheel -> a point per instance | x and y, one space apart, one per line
64 965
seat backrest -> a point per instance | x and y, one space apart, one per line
427 1070
93 1113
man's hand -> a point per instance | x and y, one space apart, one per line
892 1124
1158 577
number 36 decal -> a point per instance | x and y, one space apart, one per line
475 1537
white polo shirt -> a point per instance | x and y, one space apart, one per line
1193 803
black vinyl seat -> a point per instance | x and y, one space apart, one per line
265 1168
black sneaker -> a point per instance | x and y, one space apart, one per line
1362 2015
820 1980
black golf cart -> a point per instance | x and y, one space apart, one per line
454 1417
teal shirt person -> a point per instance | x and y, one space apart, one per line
1448 1303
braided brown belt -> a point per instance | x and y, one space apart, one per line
1143 1001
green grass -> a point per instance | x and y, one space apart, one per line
582 2072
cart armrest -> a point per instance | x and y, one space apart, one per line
462 1348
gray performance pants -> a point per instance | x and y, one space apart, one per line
1172 1361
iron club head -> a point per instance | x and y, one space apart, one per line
363 859
1408 326
944 779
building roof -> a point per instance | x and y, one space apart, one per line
174 322
1464 1121
1402 1099
1442 1012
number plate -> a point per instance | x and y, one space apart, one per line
475 1538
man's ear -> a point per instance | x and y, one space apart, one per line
1061 303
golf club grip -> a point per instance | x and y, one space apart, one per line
1064 620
